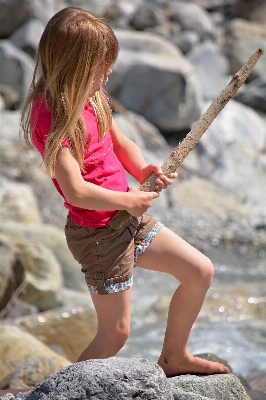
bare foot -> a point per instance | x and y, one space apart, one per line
190 365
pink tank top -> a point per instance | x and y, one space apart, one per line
101 165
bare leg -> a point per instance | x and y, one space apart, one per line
169 253
113 313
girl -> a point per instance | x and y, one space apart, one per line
68 119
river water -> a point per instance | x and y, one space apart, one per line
238 337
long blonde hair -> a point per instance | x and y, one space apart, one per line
74 44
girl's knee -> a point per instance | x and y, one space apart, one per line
116 336
200 275
205 272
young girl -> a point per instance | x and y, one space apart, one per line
68 119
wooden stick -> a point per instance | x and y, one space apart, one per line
183 148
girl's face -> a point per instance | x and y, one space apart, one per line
100 78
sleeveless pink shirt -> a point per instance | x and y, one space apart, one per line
101 165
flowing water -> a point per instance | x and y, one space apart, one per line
238 337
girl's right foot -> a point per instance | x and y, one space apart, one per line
190 364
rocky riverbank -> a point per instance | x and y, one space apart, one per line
175 58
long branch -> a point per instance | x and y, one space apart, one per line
183 148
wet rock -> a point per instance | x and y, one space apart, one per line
154 79
68 330
211 68
28 35
257 380
18 348
242 39
16 199
225 302
15 68
105 379
54 240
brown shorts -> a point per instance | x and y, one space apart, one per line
108 256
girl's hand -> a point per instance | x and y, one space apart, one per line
139 201
162 181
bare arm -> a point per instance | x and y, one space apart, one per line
133 161
86 195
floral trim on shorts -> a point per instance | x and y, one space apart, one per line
118 287
147 241
115 287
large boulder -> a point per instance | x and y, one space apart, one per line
28 35
11 271
118 378
112 378
231 153
252 10
218 387
242 39
154 79
15 68
211 68
192 17
254 94
18 203
43 276
53 239
68 329
40 278
18 348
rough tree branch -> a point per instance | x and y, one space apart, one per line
183 148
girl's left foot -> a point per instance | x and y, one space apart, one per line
189 364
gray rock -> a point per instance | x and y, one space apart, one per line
213 387
186 40
36 268
234 142
254 94
11 271
113 378
242 39
18 9
193 17
15 68
254 10
154 79
147 16
99 8
21 308
19 349
16 199
52 238
9 94
28 35
211 68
